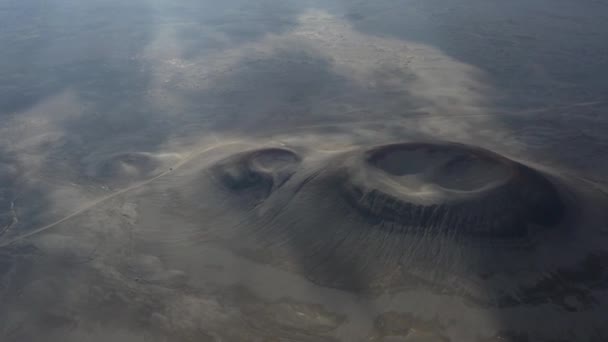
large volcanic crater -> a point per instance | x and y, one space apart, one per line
449 187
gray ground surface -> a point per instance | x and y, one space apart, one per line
185 171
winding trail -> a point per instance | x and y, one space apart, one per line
98 201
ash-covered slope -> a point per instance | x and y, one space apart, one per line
388 216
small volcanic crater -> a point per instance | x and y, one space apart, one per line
122 168
445 187
256 172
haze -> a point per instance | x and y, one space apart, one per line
303 170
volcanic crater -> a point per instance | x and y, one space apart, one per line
256 172
448 187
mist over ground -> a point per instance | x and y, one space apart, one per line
303 170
